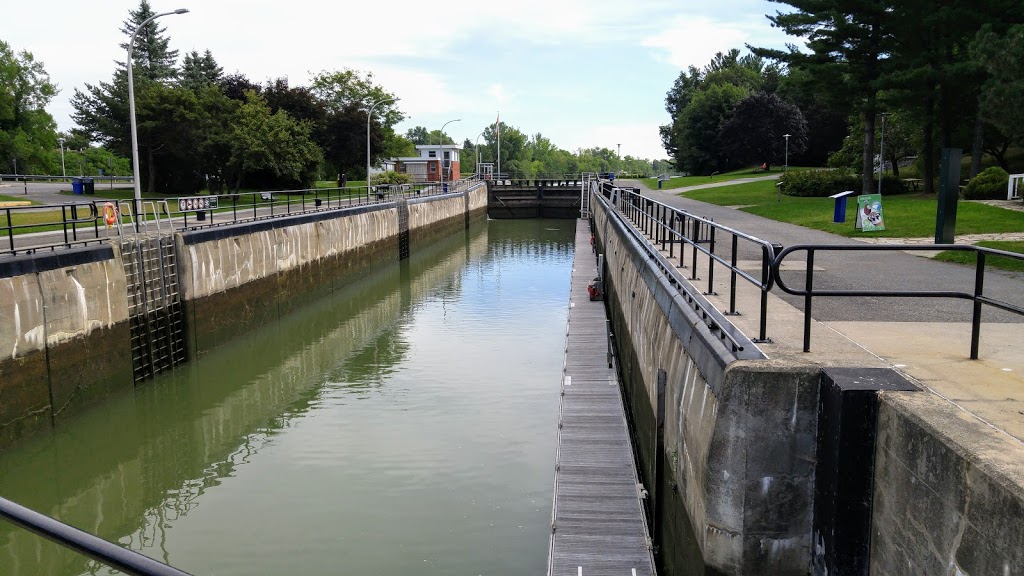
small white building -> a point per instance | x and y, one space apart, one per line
433 160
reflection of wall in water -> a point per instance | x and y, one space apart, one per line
184 432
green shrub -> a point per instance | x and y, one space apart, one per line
989 185
818 183
390 177
822 183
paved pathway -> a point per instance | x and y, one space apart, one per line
927 339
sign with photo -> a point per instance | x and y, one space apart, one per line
869 213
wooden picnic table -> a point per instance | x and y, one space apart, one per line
913 182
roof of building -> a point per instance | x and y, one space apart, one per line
436 146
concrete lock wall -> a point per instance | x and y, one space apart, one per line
735 491
64 328
63 334
948 492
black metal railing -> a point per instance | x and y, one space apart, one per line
668 226
79 222
977 297
122 559
622 199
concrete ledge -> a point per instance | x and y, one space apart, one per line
44 261
244 228
949 492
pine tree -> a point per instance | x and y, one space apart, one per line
151 56
199 70
850 43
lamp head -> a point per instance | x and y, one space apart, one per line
181 11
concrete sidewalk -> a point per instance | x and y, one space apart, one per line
926 339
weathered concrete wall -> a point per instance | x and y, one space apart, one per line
948 492
234 278
63 335
736 487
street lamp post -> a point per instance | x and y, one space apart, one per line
440 142
618 159
881 153
63 171
478 174
131 108
369 115
786 166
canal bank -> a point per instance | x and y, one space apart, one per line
74 327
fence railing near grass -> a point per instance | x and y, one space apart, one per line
664 227
976 296
78 223
669 227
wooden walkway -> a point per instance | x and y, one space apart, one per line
598 525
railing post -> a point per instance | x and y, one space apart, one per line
732 275
672 231
64 221
711 263
694 240
979 285
807 299
10 230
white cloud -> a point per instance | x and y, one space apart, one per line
694 40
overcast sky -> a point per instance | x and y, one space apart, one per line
583 73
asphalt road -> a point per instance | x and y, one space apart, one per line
49 192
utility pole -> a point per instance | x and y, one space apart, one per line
881 153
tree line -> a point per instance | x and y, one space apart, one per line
943 75
199 128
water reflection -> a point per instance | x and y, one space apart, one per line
345 435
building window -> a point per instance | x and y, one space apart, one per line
447 155
433 167
432 154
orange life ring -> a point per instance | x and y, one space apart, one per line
109 214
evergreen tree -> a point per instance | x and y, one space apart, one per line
199 70
850 43
151 56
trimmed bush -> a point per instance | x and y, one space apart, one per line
989 185
822 183
390 177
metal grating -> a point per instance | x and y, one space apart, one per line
154 305
598 523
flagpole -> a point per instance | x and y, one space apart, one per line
498 128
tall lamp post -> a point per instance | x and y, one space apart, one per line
369 115
63 171
618 159
478 174
881 153
786 166
440 142
131 107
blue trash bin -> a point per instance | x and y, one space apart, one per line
611 176
76 186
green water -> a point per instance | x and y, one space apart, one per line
403 425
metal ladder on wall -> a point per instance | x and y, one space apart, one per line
154 302
589 181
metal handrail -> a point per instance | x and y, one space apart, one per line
667 225
977 297
69 222
711 317
122 559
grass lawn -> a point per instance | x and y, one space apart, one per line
22 198
906 216
993 261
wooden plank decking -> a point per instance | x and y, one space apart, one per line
598 525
